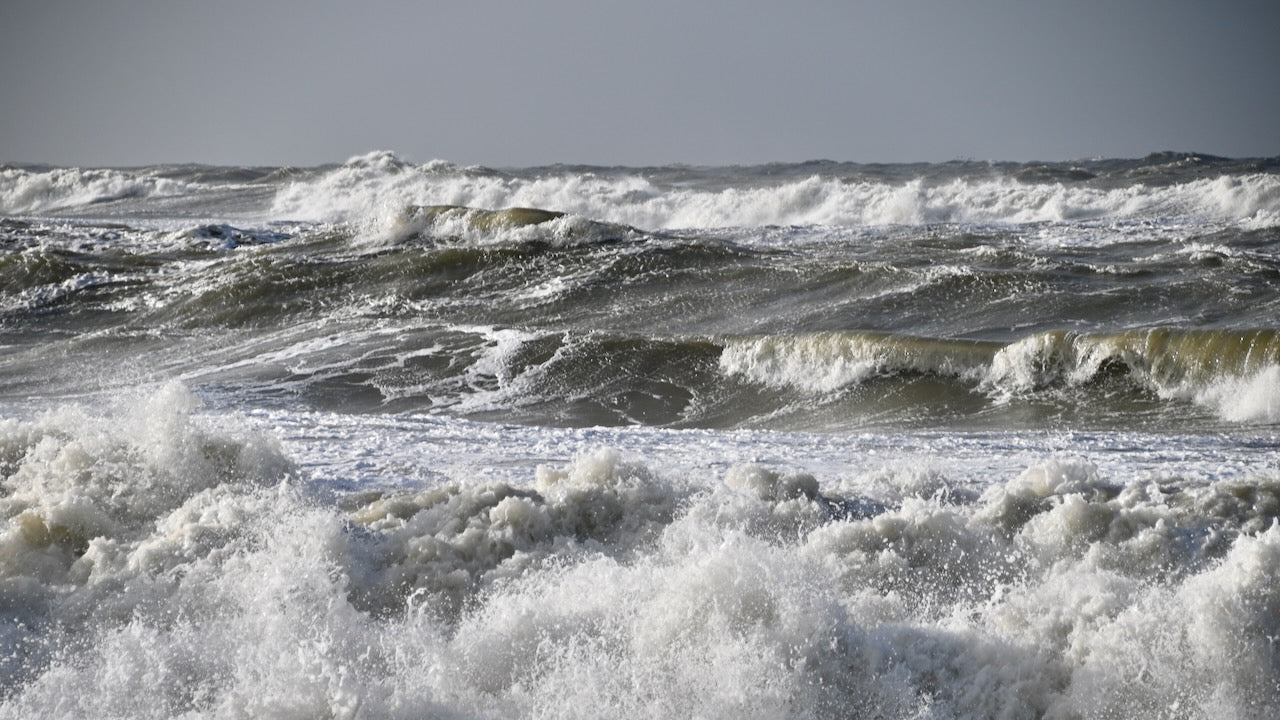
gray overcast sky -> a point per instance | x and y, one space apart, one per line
270 82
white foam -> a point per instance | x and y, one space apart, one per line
23 191
172 574
1253 398
74 476
821 362
371 191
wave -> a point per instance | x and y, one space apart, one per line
157 562
478 226
503 374
27 191
1208 367
817 380
829 361
372 190
1234 373
1166 357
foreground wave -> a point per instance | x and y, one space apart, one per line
159 563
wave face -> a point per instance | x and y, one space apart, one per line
1205 366
388 440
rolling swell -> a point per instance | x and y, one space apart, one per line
538 315
502 374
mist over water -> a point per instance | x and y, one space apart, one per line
380 440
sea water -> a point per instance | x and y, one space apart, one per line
387 440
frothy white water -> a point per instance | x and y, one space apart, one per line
23 191
1249 398
829 361
158 562
372 190
818 364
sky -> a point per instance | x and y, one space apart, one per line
506 84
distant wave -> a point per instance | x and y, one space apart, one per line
373 190
29 191
481 227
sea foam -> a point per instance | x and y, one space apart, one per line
28 191
155 565
372 190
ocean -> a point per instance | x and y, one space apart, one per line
818 440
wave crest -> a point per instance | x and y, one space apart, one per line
828 361
1234 373
478 226
25 191
372 190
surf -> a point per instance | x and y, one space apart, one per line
1173 363
185 548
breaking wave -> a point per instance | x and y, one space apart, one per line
373 189
1235 373
477 226
841 378
28 191
157 562
829 361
